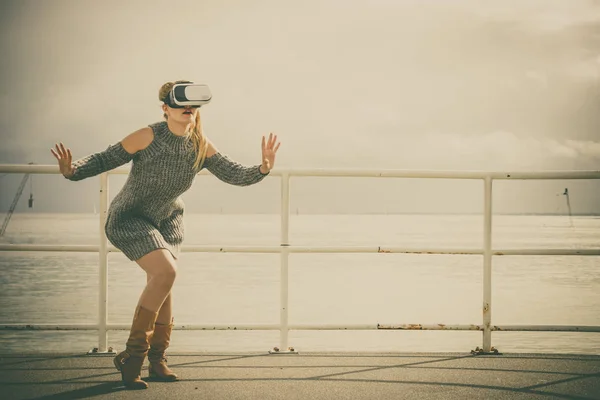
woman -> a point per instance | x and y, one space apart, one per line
145 222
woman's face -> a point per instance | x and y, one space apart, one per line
181 115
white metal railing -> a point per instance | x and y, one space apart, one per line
285 249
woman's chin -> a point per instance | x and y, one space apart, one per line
185 120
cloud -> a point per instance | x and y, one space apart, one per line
542 16
497 150
584 148
337 72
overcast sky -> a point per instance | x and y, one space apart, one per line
463 84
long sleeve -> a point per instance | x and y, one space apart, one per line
232 172
114 156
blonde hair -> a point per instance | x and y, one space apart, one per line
194 130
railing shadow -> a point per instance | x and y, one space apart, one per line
108 388
358 373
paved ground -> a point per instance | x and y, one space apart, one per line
312 376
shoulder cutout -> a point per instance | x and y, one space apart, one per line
212 150
138 140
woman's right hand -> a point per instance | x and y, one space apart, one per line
64 158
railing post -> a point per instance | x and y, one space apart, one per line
103 269
284 281
487 266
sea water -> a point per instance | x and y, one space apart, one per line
242 288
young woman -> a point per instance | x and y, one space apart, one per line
145 222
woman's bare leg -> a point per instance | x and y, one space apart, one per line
166 310
157 281
161 271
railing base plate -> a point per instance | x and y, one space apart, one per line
493 352
290 350
95 352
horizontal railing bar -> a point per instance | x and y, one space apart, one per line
430 327
51 248
546 328
325 249
358 173
49 327
547 252
377 173
505 328
440 174
324 327
122 327
522 175
312 249
31 169
229 327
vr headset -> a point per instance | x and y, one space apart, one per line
188 95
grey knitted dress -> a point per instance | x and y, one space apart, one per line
147 213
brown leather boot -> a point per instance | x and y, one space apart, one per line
130 361
158 369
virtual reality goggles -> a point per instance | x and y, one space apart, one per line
188 95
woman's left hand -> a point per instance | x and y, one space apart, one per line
269 149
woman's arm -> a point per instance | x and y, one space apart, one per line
234 173
114 156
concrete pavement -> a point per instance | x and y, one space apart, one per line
311 376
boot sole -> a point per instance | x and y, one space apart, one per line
157 378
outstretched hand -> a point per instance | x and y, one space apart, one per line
269 149
64 158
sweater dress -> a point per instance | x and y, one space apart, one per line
147 213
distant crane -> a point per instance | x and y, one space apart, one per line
16 200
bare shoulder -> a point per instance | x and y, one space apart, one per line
212 149
138 140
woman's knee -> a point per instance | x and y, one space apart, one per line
160 267
166 275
